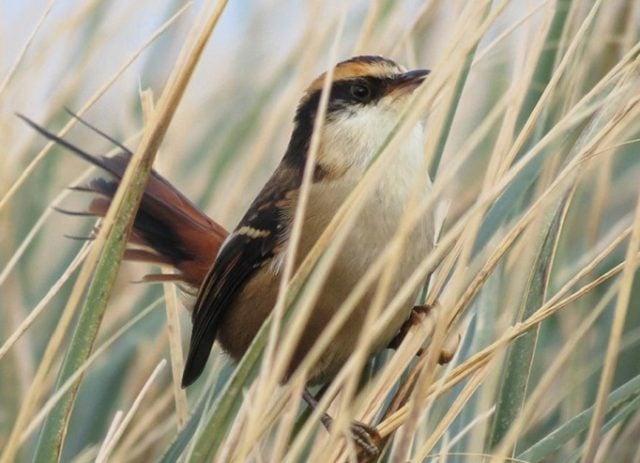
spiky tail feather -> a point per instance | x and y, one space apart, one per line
169 227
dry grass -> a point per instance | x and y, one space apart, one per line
533 121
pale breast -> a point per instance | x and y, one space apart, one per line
375 226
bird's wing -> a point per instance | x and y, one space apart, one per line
252 245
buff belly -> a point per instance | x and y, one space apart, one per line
240 324
366 240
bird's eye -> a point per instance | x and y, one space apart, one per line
360 92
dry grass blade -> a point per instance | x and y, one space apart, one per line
548 104
474 382
28 239
117 419
100 350
269 377
38 309
114 241
175 348
519 361
117 430
171 302
553 305
25 47
622 305
28 171
547 380
137 440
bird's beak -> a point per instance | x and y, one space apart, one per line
407 82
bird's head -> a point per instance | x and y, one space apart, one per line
368 95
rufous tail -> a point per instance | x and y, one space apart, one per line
168 228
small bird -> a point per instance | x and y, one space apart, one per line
367 96
236 276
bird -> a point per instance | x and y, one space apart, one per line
235 276
366 99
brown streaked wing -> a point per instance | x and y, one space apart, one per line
251 245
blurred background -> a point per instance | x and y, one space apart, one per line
230 131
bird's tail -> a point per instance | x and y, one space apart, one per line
168 228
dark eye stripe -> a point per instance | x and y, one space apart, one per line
341 91
341 97
341 100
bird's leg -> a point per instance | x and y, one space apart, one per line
312 401
366 437
418 314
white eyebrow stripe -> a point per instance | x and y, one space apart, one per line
252 232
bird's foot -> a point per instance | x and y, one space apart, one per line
365 437
367 440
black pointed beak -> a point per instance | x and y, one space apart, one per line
408 81
417 75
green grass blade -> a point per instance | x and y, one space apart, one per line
618 417
184 437
453 106
224 410
546 62
517 369
49 445
116 229
620 404
512 197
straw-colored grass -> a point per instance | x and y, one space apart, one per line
532 116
